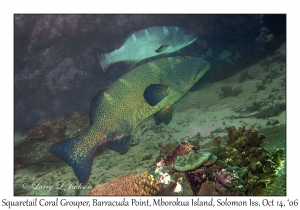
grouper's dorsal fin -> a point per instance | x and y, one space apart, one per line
162 48
164 115
118 143
154 93
94 104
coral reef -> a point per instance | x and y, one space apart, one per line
228 183
239 167
208 188
241 138
182 149
196 178
193 167
147 185
242 150
191 161
121 186
247 168
129 184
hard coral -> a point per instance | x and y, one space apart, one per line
239 167
217 141
219 164
191 161
121 186
191 168
212 160
224 177
208 189
196 178
147 185
129 185
228 183
243 150
182 149
242 138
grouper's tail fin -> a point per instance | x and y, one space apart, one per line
80 157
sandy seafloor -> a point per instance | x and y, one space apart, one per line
200 111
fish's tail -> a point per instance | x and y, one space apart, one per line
101 57
78 155
103 61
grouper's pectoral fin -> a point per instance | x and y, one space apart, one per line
164 115
154 93
162 48
118 143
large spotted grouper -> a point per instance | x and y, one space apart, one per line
147 43
149 89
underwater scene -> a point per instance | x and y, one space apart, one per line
150 105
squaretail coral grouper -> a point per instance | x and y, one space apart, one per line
147 43
149 89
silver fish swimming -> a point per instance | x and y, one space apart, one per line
147 43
